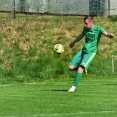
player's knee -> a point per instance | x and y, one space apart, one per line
80 69
71 67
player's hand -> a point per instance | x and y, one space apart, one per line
72 44
111 35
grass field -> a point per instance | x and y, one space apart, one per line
34 80
94 97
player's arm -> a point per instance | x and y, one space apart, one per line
110 35
76 40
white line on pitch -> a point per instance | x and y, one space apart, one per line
78 113
58 83
61 114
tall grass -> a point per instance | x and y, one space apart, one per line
26 47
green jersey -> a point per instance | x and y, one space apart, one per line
92 38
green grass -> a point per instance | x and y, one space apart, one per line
34 80
94 97
26 47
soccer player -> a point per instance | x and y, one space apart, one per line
86 55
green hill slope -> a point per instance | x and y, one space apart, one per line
26 47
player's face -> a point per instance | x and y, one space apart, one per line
88 24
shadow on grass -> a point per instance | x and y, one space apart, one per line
109 84
103 84
57 90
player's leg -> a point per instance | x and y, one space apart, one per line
75 61
74 65
78 76
86 61
77 79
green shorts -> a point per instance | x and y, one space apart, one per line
83 59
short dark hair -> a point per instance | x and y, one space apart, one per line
89 18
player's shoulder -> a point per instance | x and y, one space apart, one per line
99 27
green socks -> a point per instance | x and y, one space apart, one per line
77 79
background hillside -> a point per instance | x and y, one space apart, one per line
26 47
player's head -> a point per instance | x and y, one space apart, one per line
89 22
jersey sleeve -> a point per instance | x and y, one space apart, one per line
102 30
